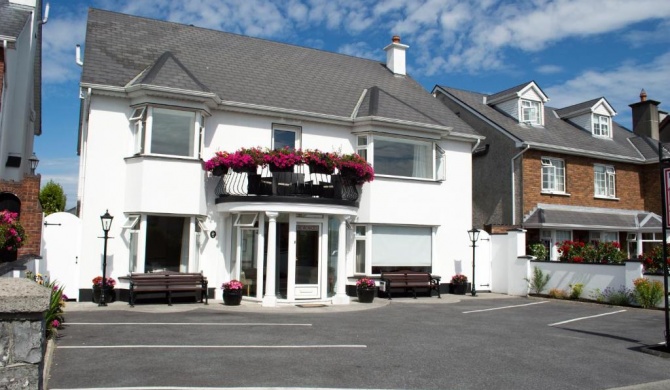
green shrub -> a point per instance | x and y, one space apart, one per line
620 297
538 282
52 198
648 293
538 250
576 290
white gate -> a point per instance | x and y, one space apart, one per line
483 263
60 251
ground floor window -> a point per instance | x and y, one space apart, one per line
552 237
163 243
385 248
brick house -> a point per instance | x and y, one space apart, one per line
20 120
568 173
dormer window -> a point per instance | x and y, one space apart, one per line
601 126
530 112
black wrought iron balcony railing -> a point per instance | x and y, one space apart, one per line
298 183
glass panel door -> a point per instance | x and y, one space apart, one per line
308 238
248 258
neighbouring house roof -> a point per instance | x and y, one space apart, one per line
582 108
591 218
123 51
560 135
12 19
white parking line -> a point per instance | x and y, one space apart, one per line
585 318
504 307
195 388
185 323
212 346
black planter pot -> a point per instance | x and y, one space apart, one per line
276 169
219 171
248 170
365 295
232 297
459 289
314 168
110 295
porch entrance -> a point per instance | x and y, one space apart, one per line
307 261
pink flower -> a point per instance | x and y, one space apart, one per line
55 324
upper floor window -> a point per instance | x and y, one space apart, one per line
601 126
285 137
165 131
530 112
403 157
553 175
604 181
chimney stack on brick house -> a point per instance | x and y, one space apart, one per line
645 117
395 56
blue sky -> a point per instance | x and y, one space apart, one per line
575 50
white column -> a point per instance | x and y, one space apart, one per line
341 297
270 299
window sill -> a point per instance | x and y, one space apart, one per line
606 197
163 157
418 179
554 193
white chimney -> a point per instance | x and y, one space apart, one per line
395 56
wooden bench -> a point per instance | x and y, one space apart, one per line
168 282
411 280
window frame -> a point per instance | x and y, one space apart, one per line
597 126
142 119
531 105
551 163
297 130
608 178
437 154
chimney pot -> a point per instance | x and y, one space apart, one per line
396 39
643 95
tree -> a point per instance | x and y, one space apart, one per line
52 198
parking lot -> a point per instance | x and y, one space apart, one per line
428 343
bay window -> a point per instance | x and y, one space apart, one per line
382 248
166 131
403 157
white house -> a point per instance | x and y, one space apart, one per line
160 98
20 121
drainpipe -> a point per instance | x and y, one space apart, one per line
479 141
513 192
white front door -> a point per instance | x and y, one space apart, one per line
483 263
307 261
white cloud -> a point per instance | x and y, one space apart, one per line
63 171
549 69
360 49
620 86
59 37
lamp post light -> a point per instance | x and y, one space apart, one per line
474 236
106 220
33 163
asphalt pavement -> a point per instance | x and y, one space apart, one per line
457 342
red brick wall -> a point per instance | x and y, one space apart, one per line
631 184
651 188
28 191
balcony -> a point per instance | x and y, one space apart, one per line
297 185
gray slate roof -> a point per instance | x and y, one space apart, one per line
12 19
561 134
121 49
575 108
590 218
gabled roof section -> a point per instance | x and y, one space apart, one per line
557 135
516 92
168 71
12 19
252 72
380 103
585 107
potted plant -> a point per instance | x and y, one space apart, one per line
355 170
232 292
12 235
459 284
218 164
365 290
247 160
110 295
321 162
283 160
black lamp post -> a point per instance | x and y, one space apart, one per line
106 220
33 163
474 236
